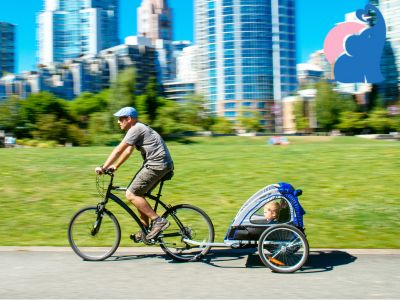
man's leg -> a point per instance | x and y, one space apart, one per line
143 181
142 205
158 224
144 219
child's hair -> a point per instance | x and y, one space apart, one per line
273 204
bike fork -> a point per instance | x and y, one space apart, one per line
99 218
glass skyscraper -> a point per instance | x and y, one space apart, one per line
247 56
390 63
7 48
154 21
71 28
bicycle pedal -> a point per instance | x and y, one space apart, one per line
133 238
149 242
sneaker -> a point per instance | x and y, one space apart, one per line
159 225
137 237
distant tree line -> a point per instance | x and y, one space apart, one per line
334 111
88 119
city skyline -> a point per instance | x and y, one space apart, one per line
314 20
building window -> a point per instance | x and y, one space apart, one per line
230 114
230 105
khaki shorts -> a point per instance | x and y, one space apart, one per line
146 179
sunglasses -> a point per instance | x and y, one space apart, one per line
122 118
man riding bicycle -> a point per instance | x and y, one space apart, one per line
157 163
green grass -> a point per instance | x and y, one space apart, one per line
350 185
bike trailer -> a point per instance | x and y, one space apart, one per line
249 223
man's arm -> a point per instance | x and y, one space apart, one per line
123 150
124 156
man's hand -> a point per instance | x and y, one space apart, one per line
112 169
99 170
102 170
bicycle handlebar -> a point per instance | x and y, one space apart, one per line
109 172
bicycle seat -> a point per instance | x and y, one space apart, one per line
168 176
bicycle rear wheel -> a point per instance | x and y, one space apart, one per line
93 235
283 248
189 234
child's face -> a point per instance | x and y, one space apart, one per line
271 212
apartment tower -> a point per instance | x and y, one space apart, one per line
72 28
7 48
247 56
154 21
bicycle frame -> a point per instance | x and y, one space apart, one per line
116 199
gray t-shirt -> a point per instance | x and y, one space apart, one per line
150 144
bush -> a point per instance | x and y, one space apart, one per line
36 143
76 136
31 143
47 144
222 125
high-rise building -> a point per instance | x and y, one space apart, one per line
247 56
71 28
308 74
318 58
184 84
154 20
177 48
390 62
7 48
94 73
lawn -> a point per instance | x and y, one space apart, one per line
350 186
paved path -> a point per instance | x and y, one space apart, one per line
231 274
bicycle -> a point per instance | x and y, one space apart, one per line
94 232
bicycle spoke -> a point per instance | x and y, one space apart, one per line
189 228
93 238
283 248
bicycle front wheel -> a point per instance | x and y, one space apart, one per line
189 235
283 248
94 235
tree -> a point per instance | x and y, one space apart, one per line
380 121
222 125
50 128
169 120
122 92
10 113
183 116
99 131
43 103
302 121
352 122
375 99
152 100
329 105
88 103
148 103
250 120
194 111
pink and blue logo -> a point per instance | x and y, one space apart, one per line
354 49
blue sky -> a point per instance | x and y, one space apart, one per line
315 18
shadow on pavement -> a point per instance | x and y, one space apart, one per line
323 261
133 257
216 257
318 261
